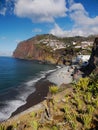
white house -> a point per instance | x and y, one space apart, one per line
83 58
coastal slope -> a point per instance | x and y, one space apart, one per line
51 49
45 48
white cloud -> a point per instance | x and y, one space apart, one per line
82 19
70 2
84 25
40 11
10 6
81 16
37 30
57 31
3 11
6 7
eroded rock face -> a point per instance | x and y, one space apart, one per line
33 50
26 50
93 61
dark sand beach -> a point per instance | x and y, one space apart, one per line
42 89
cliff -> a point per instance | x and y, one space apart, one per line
43 48
51 49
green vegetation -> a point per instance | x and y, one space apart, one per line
53 89
2 127
87 120
46 48
78 110
54 128
34 125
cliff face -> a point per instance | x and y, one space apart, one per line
48 48
24 50
37 48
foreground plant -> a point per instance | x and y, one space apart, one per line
82 84
88 97
87 120
78 101
34 125
55 128
2 127
71 119
53 89
96 102
93 85
90 109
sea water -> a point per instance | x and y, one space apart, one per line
17 82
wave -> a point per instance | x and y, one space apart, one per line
19 95
9 108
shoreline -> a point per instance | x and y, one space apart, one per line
40 85
42 89
35 98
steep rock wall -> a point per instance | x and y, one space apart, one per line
32 50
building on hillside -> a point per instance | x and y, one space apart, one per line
83 58
74 43
85 44
78 47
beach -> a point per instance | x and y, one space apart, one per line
60 76
42 89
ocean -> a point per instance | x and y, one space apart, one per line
17 82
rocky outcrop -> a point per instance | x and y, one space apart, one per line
38 48
93 61
48 48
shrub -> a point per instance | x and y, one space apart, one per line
71 119
87 119
34 125
54 128
32 114
90 109
53 89
2 127
82 84
88 97
95 101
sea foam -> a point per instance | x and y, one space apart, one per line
23 90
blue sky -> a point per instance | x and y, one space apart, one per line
23 19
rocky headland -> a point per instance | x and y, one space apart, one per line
44 48
51 49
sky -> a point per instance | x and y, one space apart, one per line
23 19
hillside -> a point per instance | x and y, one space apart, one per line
43 48
74 107
49 48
